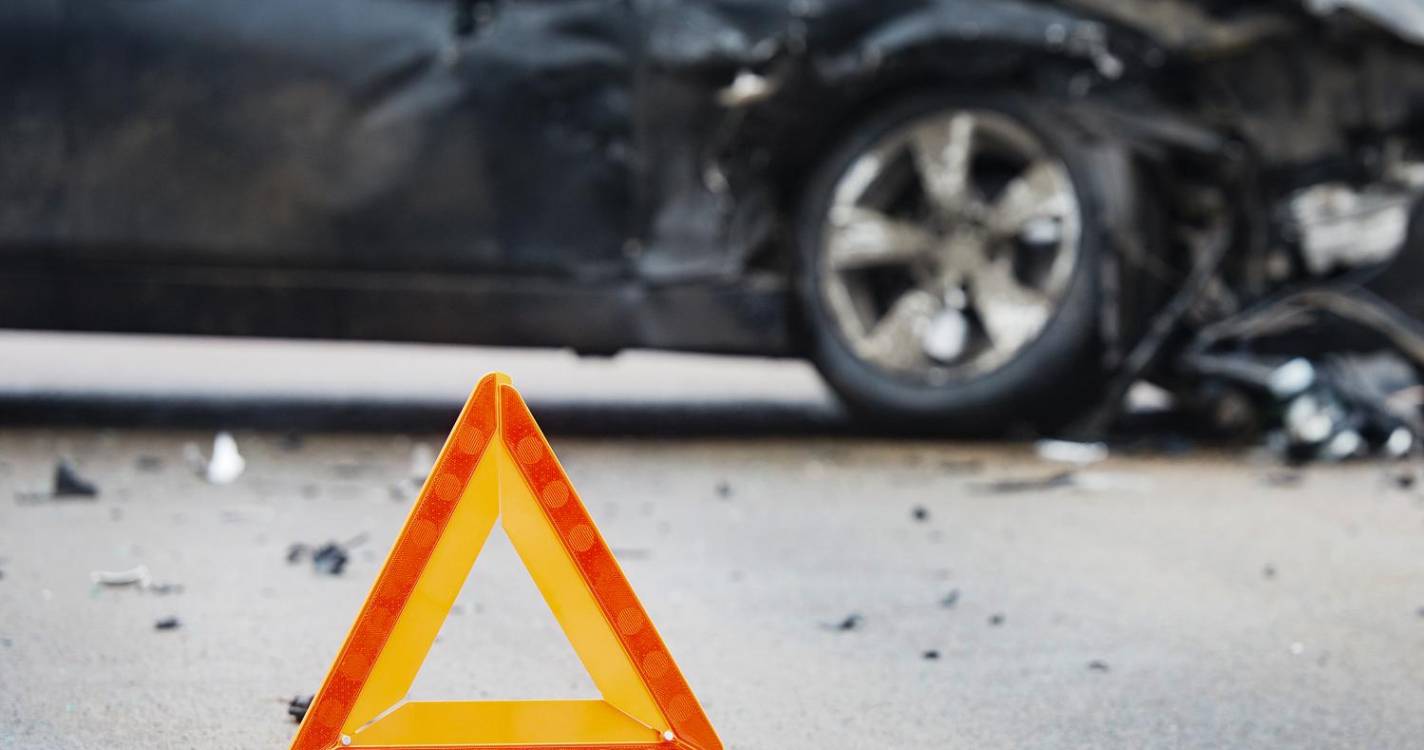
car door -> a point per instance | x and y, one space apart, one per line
450 136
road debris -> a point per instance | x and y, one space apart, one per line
148 463
920 513
1284 478
224 466
137 577
1098 666
1069 452
329 558
950 599
724 489
167 623
297 708
68 483
1269 571
1055 481
1331 408
996 619
930 655
852 621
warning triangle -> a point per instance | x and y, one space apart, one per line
496 466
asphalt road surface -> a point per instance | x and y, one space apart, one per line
818 590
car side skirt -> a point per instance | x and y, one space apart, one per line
746 316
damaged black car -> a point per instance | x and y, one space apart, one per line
969 214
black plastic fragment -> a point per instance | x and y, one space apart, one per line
297 708
68 483
330 558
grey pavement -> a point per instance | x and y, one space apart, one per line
1159 603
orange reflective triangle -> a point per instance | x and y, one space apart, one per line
497 466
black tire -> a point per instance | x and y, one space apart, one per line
1052 378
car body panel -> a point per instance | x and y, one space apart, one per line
597 174
327 134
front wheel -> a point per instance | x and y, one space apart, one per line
948 266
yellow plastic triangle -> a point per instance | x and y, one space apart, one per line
497 466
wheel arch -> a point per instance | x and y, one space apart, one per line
1044 81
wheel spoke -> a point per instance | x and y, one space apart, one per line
1011 311
1038 194
895 340
965 253
862 237
942 155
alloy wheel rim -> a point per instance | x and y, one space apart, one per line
949 245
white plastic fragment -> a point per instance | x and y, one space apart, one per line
135 576
1069 452
226 463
